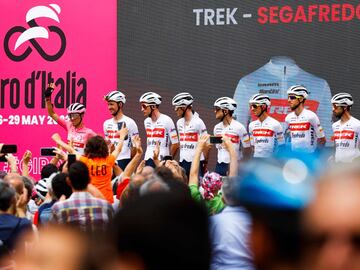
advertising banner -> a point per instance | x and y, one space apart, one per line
70 42
238 48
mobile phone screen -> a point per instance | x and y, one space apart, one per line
47 151
215 140
9 148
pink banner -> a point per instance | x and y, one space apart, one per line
72 42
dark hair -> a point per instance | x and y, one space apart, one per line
7 195
79 175
60 186
164 231
48 170
2 174
96 147
29 185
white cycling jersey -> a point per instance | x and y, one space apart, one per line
111 130
265 136
304 130
238 135
346 137
189 134
163 131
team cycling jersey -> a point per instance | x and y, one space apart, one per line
265 136
304 130
346 137
78 136
273 79
189 135
238 135
163 131
111 134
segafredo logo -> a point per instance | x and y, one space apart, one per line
35 32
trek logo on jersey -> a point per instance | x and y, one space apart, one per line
112 134
299 126
155 133
189 137
233 138
280 108
78 144
263 132
345 134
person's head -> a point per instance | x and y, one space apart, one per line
297 94
7 196
96 147
224 107
60 187
259 104
182 102
115 102
150 102
331 222
79 176
177 171
48 170
29 186
76 113
341 103
161 231
15 180
210 185
275 192
228 190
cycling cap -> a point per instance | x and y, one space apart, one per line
260 99
182 99
284 183
76 108
116 96
342 99
298 90
226 103
150 98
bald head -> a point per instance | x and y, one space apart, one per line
15 180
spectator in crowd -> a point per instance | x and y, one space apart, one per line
78 134
332 221
210 185
228 126
275 192
115 102
160 231
11 226
81 209
230 232
160 129
98 160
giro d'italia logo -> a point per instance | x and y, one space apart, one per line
35 32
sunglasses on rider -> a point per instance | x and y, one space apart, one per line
217 109
74 115
255 106
179 107
144 106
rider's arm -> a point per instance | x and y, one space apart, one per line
48 104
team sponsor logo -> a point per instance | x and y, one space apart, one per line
155 133
299 126
280 108
189 137
113 134
233 138
35 32
263 132
78 144
345 134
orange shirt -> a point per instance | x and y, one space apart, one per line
100 170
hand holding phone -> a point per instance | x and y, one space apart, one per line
120 126
71 159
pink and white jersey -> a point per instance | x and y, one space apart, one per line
189 134
238 135
265 136
304 130
111 133
163 131
78 136
346 137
